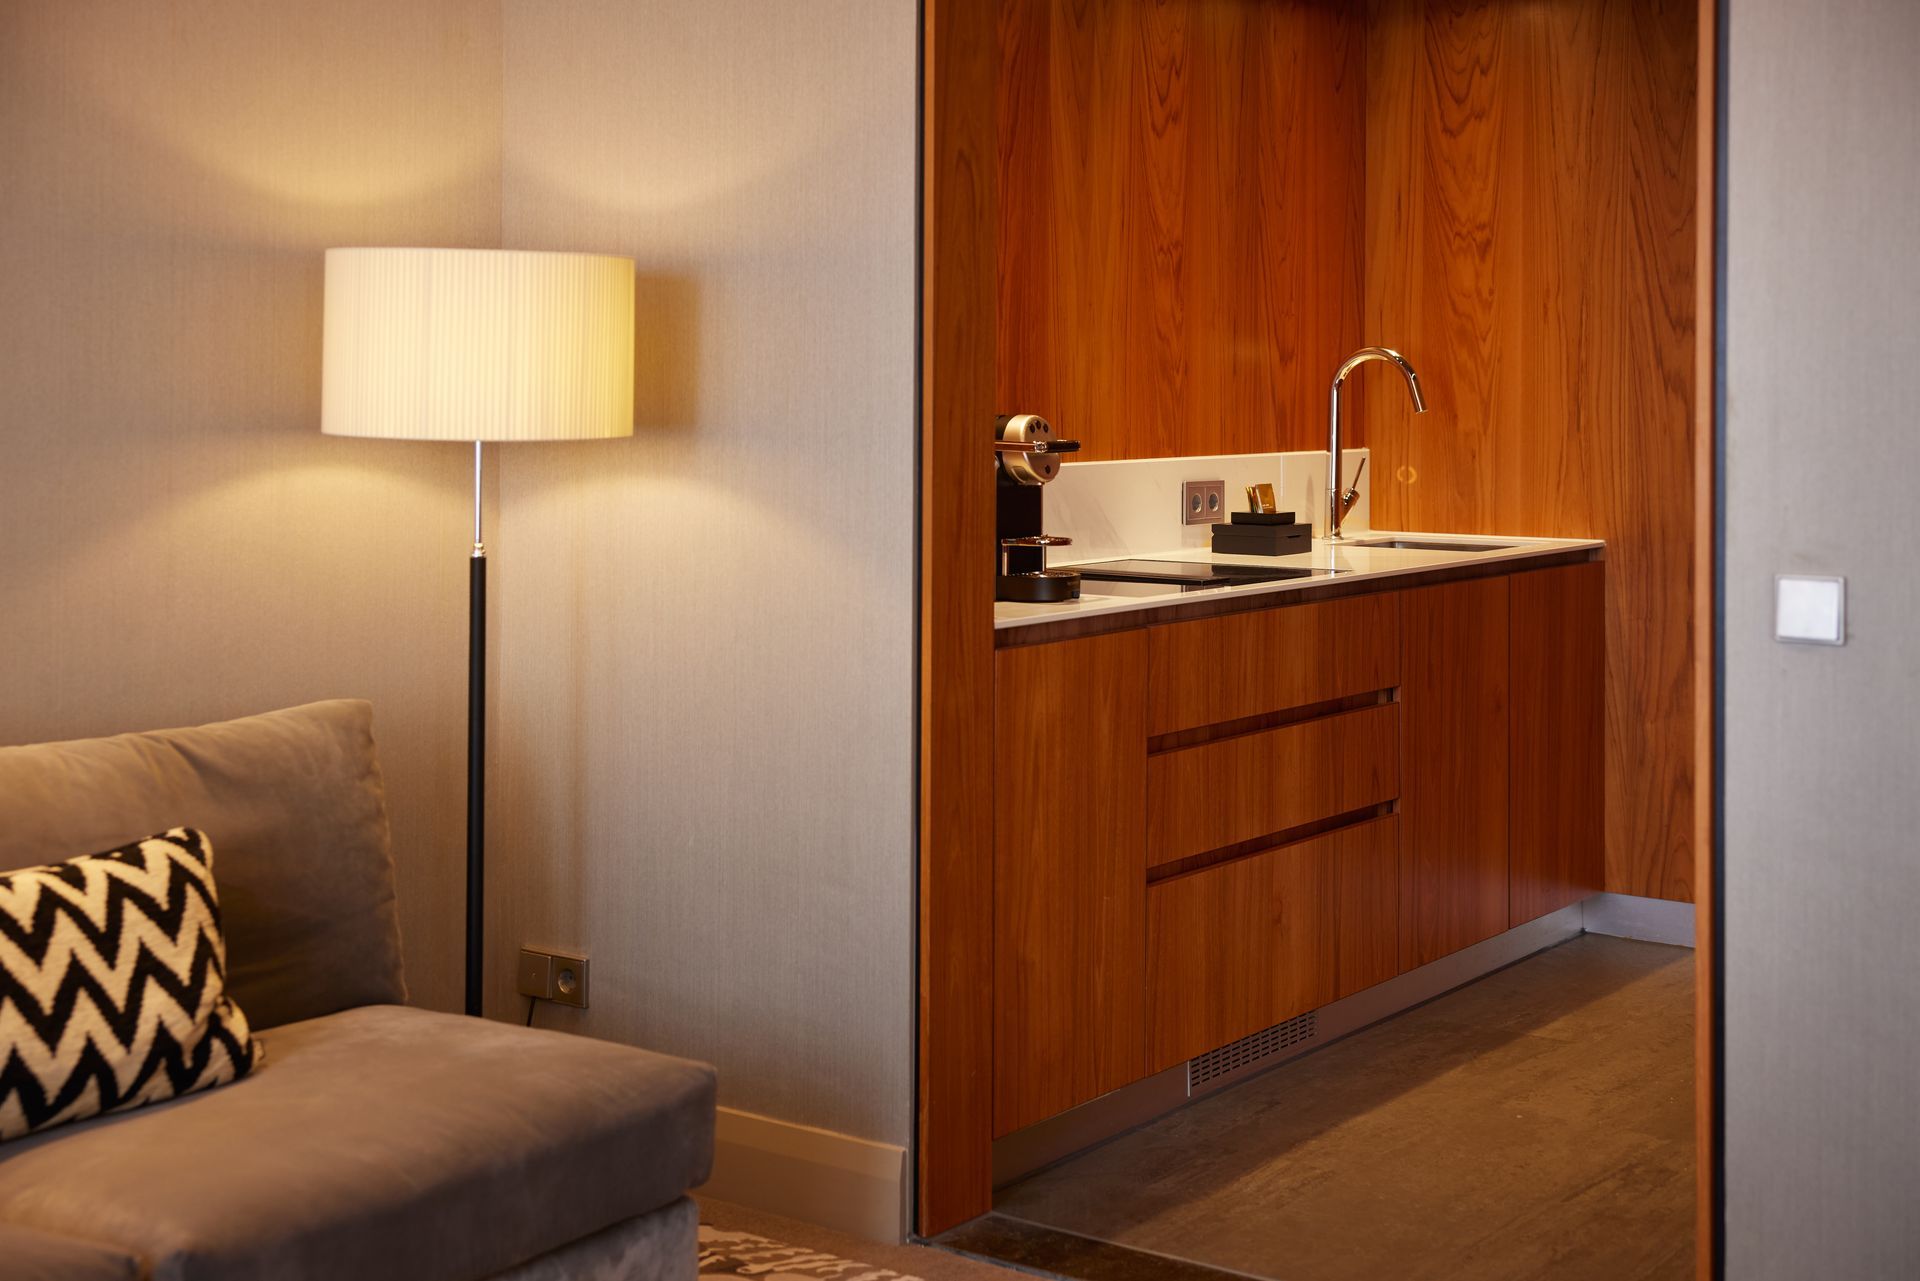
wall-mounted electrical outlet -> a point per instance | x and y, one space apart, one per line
560 977
1202 502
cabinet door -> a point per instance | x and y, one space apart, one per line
1455 733
1239 947
1070 874
1559 725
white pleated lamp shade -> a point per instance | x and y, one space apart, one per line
477 344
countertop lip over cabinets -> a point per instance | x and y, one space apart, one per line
1354 569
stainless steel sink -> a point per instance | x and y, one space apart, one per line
1427 545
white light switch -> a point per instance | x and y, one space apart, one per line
1809 610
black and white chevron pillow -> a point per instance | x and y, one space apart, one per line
113 976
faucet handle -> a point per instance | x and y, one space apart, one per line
1351 494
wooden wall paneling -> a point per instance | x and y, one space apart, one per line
1181 220
1238 789
1531 202
1557 801
1070 877
1454 771
1239 947
961 174
1226 669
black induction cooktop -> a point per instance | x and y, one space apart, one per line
1189 575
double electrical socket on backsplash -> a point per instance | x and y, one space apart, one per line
1202 502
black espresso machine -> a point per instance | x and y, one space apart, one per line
1027 455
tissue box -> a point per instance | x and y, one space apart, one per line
1243 539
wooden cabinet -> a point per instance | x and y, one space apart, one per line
1239 947
1070 874
1248 786
1204 828
1558 801
1220 670
1454 764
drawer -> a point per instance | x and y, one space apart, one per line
1237 948
1226 669
1222 793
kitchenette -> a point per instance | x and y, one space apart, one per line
1310 552
1236 788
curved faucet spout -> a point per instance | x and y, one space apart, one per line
1339 499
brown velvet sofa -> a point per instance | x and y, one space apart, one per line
376 1140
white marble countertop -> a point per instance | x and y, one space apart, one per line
1347 561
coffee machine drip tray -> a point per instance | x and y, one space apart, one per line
1187 576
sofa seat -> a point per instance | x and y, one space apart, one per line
378 1142
30 1255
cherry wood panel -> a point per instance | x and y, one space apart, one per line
1069 879
1455 774
1557 800
1366 904
1180 219
1239 947
1225 669
1532 195
1252 785
955 1152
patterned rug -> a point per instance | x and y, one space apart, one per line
741 1254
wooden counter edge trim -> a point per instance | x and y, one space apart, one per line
1333 589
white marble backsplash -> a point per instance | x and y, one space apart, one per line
1132 506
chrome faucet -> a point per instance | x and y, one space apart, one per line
1338 500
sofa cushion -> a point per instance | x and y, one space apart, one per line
293 802
113 984
27 1254
380 1142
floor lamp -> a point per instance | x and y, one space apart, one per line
477 345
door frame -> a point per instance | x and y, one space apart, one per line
958 367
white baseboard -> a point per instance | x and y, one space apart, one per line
1628 916
851 1185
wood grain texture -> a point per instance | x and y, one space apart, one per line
1240 947
1532 189
1223 669
1180 219
1455 769
961 176
1222 793
1366 904
1557 800
1069 879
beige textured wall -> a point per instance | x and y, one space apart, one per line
704 658
178 543
1821 881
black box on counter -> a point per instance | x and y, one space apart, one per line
1242 539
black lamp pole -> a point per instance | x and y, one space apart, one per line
476 752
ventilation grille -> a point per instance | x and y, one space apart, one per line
1249 1052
